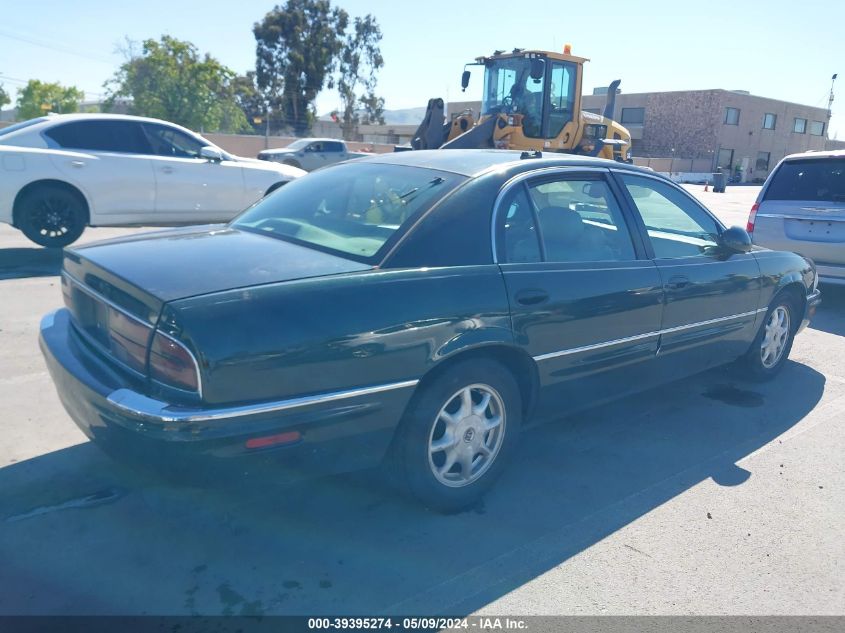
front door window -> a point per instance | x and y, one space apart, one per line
677 226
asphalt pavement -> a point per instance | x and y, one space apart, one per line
711 496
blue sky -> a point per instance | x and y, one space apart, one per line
784 50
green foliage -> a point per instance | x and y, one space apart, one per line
360 59
54 96
170 80
250 100
373 109
296 48
5 99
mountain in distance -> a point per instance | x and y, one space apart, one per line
405 116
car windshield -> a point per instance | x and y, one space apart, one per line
298 144
351 210
20 126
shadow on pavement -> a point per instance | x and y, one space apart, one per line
80 536
17 263
830 317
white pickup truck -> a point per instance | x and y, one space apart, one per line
311 153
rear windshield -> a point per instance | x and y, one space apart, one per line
814 179
351 210
20 126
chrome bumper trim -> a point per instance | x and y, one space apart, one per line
139 406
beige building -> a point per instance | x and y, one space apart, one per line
732 129
696 131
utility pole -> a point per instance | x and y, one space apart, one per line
830 98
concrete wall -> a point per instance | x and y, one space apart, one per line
249 146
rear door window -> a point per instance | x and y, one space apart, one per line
820 180
101 136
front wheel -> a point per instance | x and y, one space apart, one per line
51 216
771 347
458 434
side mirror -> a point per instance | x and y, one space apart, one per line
211 154
736 239
464 80
538 68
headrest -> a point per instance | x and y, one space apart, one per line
560 224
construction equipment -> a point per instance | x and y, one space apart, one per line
531 102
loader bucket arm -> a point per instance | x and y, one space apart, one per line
432 132
478 137
611 98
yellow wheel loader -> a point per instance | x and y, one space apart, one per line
531 102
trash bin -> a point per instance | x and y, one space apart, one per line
719 182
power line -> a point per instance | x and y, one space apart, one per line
23 82
54 47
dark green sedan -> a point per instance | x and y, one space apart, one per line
414 310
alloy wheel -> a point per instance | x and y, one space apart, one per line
466 435
775 337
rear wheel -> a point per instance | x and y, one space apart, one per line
458 435
771 347
51 216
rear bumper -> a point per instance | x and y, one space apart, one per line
831 274
339 432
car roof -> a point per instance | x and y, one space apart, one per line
50 120
474 162
836 153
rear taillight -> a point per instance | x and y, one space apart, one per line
751 217
172 364
128 339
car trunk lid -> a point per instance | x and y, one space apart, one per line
115 290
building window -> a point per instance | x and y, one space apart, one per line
762 161
769 121
633 115
726 158
800 126
817 128
731 116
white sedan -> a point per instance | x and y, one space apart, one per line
61 173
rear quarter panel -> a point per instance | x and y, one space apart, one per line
341 332
20 166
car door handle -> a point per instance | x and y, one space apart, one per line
77 163
167 170
531 296
677 282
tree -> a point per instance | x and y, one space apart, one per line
296 48
4 97
38 98
250 100
373 109
360 59
170 80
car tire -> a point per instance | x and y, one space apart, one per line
51 216
770 349
458 434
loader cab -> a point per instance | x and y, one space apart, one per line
539 91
